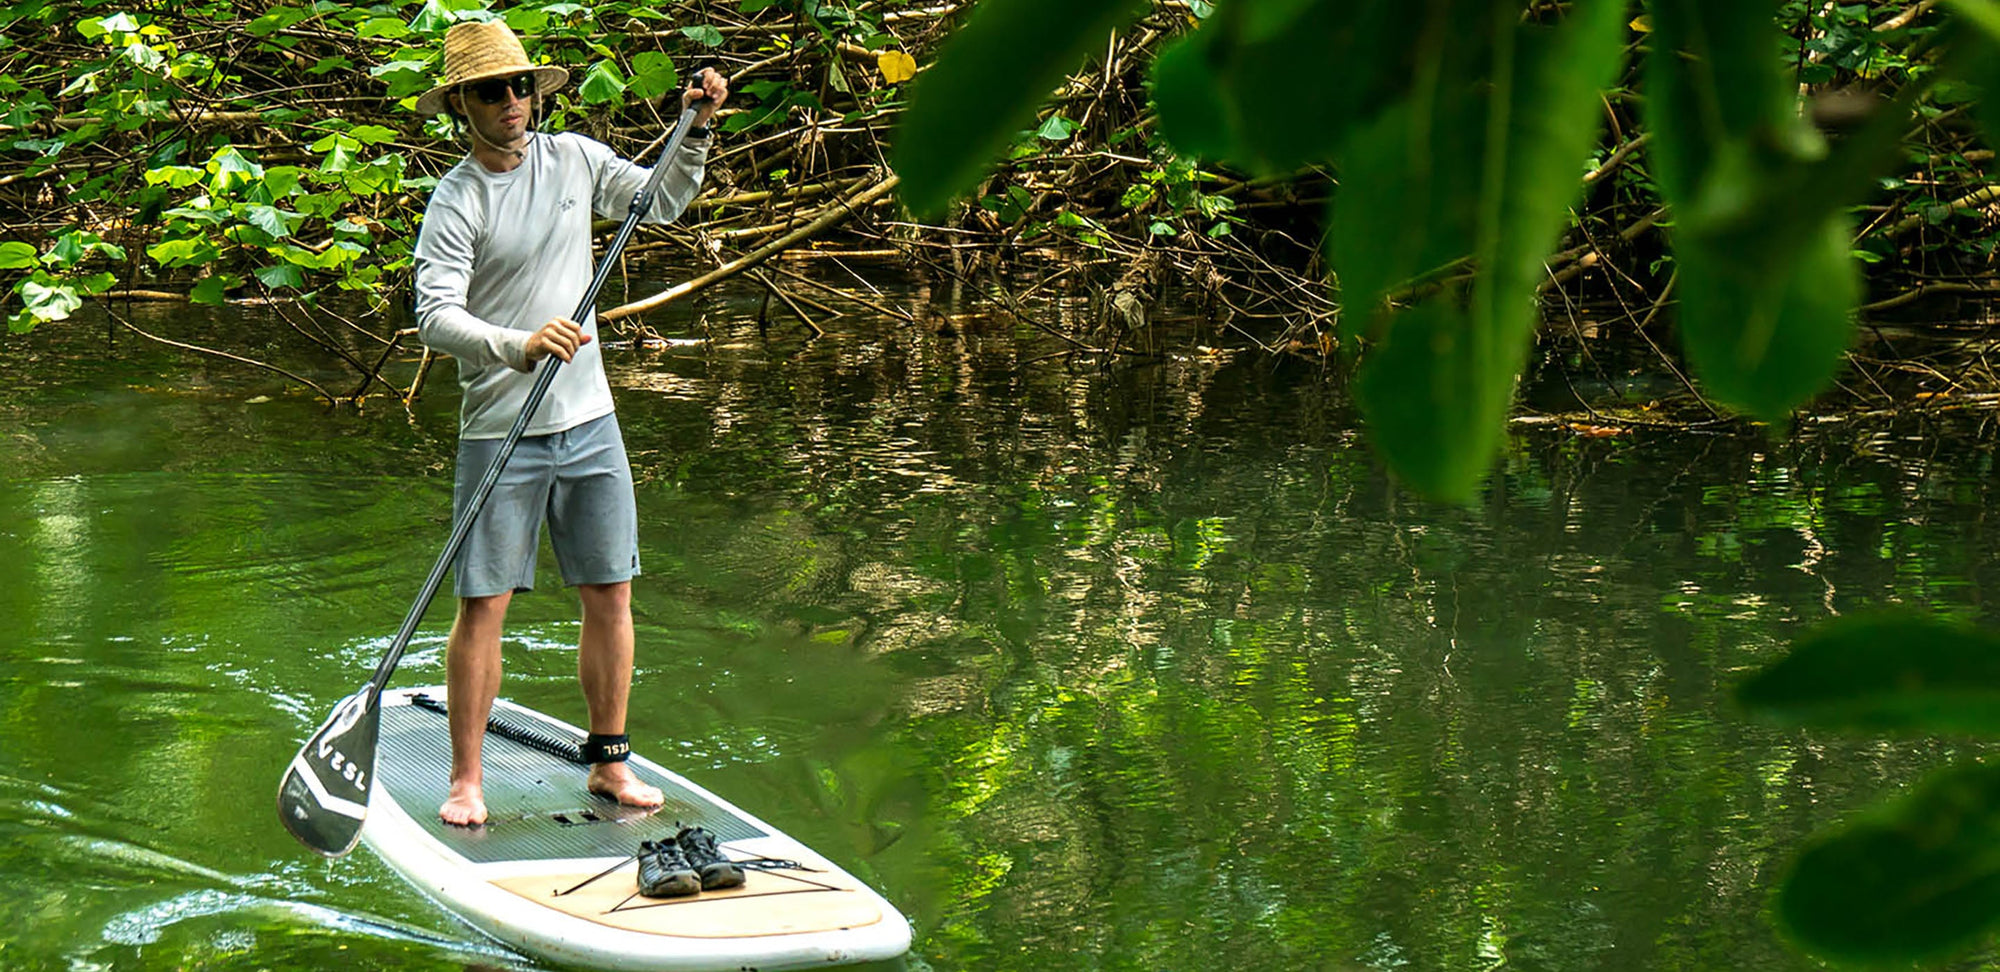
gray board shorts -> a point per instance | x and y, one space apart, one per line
578 480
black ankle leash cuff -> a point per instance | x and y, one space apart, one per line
604 748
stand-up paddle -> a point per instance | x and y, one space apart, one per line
323 798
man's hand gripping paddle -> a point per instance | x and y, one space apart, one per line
324 795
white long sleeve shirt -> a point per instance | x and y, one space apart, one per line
502 253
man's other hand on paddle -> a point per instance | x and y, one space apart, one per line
707 83
560 337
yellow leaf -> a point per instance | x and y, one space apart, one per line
896 66
1642 23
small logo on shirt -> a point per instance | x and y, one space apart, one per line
568 203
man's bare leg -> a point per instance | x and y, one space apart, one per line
604 666
472 677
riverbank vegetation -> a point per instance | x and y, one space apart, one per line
230 151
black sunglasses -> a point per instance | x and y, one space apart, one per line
494 90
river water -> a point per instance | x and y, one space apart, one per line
1150 667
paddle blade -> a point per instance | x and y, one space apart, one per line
324 796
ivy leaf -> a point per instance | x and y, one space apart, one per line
281 181
269 219
528 20
984 88
1057 129
16 255
70 249
183 253
434 17
341 157
175 176
385 27
602 83
281 276
49 299
653 75
209 291
372 134
704 34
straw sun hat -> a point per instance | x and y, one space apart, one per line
477 50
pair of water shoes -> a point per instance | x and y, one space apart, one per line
688 864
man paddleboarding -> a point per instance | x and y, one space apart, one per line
503 255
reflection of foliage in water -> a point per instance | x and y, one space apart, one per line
1125 670
1185 674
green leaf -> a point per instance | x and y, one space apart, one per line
704 34
16 255
282 181
602 83
70 249
269 219
985 85
1976 59
1193 114
1761 233
1766 320
653 75
209 291
183 253
1339 64
283 275
527 20
175 176
341 156
1983 14
49 300
1056 129
93 284
1481 164
404 78
387 27
1917 880
432 18
1893 671
278 18
373 134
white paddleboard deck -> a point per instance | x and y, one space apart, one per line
525 878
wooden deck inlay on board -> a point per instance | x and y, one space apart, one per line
768 903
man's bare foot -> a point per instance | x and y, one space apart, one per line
616 781
466 807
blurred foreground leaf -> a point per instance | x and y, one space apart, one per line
1275 85
1481 163
984 88
1895 672
1918 879
1768 282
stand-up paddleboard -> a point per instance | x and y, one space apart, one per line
545 875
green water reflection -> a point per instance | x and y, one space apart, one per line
1147 669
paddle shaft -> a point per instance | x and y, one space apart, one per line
544 377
